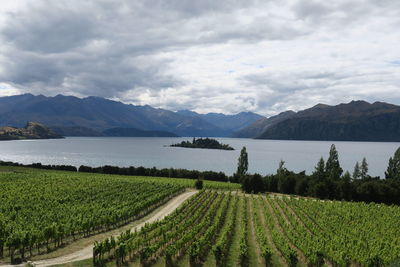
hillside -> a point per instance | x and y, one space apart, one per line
133 132
257 128
354 121
75 131
32 130
92 115
229 123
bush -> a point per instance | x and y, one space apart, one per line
198 184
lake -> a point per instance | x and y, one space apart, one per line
264 155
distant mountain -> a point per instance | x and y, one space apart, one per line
354 121
228 123
260 126
75 131
91 115
133 132
32 130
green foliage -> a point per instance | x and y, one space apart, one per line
203 143
43 208
341 232
364 169
393 170
243 245
319 171
252 183
281 171
332 168
322 185
243 163
347 176
192 228
357 171
199 184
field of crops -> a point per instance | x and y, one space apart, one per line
41 210
231 229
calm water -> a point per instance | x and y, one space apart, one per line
264 155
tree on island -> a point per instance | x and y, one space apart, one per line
203 143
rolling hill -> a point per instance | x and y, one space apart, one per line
354 121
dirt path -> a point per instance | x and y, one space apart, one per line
87 252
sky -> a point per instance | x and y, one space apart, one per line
208 56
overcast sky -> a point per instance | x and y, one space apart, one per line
209 56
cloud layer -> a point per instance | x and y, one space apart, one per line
222 56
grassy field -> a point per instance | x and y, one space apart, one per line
42 211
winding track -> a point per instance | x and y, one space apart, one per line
87 252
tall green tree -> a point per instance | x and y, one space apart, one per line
319 171
243 163
281 169
364 169
393 170
356 172
332 168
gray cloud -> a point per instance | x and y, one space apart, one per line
223 56
49 31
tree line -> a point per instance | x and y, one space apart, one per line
133 171
328 181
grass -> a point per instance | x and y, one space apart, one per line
83 263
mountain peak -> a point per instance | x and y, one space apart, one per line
320 105
358 102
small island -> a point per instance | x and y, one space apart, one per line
206 143
32 130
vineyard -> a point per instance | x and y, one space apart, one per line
41 211
216 228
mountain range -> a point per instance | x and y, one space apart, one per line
354 121
90 116
95 116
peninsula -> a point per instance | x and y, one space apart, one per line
32 130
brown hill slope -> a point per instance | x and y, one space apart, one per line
32 130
